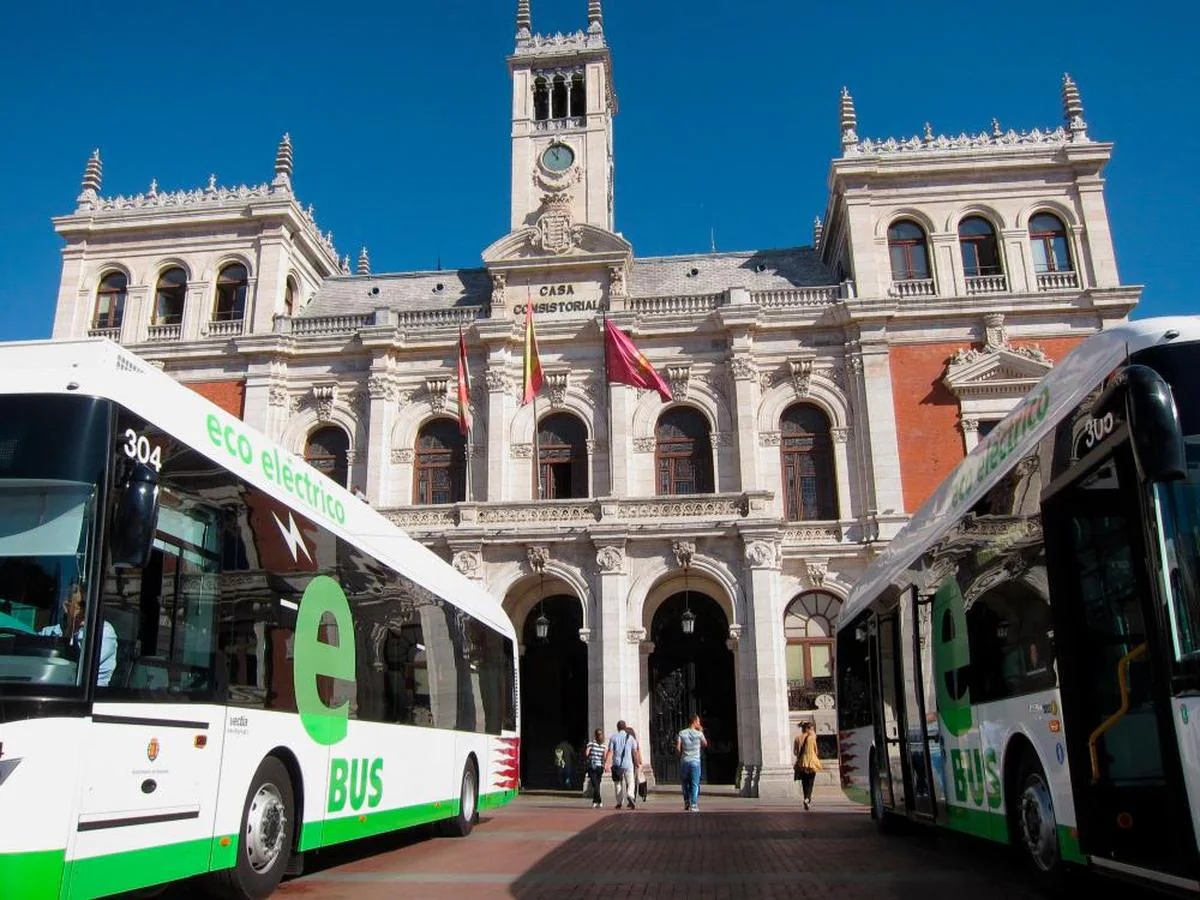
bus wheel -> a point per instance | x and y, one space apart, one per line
264 845
468 803
1032 822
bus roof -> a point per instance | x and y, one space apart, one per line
101 368
1060 390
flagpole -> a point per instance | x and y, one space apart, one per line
608 395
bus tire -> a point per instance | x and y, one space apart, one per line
468 803
264 844
1032 823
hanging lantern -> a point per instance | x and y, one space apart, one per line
541 626
688 622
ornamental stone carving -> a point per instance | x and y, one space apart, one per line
499 279
435 391
277 395
970 425
402 455
537 557
816 572
325 396
801 371
769 439
616 281
466 562
635 635
721 438
854 364
840 435
496 378
743 368
556 385
555 231
735 633
644 445
684 552
610 559
761 554
520 451
678 379
381 387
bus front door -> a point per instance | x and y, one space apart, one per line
915 663
1125 771
889 717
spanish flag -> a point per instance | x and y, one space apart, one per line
464 387
533 364
626 364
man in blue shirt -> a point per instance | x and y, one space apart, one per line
73 609
620 754
688 745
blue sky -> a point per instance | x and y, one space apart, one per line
399 115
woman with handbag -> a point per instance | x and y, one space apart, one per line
639 776
807 763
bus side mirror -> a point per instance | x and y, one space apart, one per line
1153 420
135 517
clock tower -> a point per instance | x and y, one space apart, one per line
563 106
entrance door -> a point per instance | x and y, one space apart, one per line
1125 769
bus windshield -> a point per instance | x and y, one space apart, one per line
47 531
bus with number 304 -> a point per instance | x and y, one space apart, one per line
212 657
1022 661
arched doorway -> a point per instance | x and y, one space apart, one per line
692 673
553 692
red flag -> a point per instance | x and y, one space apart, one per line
464 386
627 365
532 381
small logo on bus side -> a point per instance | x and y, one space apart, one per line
152 750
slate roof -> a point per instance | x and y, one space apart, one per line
691 274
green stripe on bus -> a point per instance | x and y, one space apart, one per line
35 876
491 801
857 795
994 826
130 869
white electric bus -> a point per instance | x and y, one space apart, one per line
1022 662
212 657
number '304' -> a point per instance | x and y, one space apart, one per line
137 446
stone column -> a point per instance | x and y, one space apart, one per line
381 395
768 749
1018 261
841 462
606 670
879 415
746 390
620 417
645 648
949 278
497 445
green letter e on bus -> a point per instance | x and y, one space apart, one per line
323 650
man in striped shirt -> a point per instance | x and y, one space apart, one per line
595 764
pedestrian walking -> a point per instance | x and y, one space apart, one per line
619 755
807 763
594 754
564 761
688 745
639 775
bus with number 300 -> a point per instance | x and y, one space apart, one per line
213 658
1022 661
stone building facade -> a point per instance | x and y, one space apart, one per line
819 393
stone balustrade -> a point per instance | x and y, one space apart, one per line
1057 281
676 305
914 287
986 284
350 322
226 328
164 332
796 298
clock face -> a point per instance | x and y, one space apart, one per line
558 157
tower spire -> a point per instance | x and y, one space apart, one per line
1073 109
595 17
524 21
283 164
849 122
364 262
92 177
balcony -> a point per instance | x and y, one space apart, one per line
914 287
986 284
575 515
225 327
561 124
1057 281
113 334
164 332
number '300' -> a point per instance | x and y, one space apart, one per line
137 446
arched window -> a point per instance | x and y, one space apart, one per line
326 451
562 458
541 99
683 453
977 239
441 470
578 97
289 297
231 294
558 98
808 627
110 301
906 246
169 296
1048 240
807 456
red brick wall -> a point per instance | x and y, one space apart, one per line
927 414
229 395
